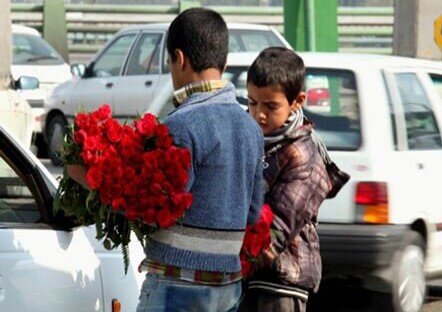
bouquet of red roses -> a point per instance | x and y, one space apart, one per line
256 239
122 177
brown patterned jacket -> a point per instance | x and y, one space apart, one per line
297 185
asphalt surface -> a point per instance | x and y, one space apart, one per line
340 298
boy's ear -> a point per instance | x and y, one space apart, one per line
299 101
180 58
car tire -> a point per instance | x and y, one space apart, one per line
55 134
409 284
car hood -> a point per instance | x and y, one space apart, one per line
46 74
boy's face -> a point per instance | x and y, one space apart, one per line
269 106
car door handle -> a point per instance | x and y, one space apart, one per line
109 85
148 83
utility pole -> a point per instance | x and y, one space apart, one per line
311 25
414 28
5 44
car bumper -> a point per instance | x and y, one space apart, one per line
358 249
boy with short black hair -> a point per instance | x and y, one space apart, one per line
296 180
195 265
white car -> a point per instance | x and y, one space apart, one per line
381 119
33 56
131 74
45 263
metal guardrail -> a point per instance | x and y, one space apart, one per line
361 29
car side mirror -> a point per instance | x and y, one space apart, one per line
26 83
78 70
89 70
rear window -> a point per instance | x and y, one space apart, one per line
33 50
246 40
332 104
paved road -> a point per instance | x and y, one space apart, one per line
347 299
342 299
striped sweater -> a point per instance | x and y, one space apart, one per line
225 179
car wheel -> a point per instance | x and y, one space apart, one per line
56 131
409 285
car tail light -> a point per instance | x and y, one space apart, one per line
371 200
318 97
116 305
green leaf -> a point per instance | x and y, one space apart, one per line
99 228
125 257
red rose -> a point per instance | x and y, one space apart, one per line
129 189
131 214
164 142
156 188
118 203
150 160
181 201
146 125
113 129
266 214
88 157
81 120
103 112
115 190
162 130
164 219
80 136
91 143
148 215
94 177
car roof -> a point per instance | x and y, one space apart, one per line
19 29
342 60
351 60
165 26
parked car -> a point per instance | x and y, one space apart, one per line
33 56
380 117
131 74
15 111
45 263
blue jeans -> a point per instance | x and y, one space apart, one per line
163 294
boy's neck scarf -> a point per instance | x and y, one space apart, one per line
297 125
294 122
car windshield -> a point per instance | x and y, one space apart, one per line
332 103
33 50
246 40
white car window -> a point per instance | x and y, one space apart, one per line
422 130
332 103
111 61
33 50
246 40
17 204
145 58
437 81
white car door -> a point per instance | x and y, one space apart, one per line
137 88
98 85
434 88
41 269
419 153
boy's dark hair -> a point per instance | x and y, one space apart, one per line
278 67
203 37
